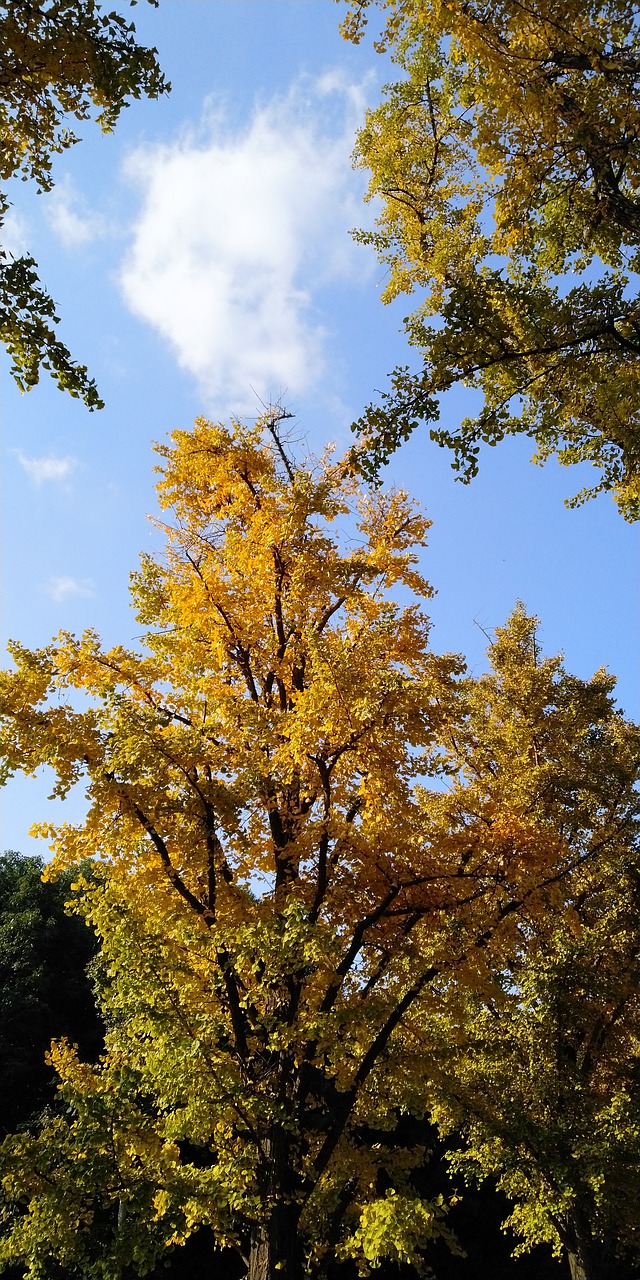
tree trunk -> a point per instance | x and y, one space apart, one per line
259 1262
577 1267
591 1259
275 1251
582 1249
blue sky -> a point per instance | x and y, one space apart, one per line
201 260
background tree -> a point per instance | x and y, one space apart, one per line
44 988
280 905
59 59
540 1069
507 162
545 1090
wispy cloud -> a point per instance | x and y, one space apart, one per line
48 468
63 587
70 218
14 233
238 231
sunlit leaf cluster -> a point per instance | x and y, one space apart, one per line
506 159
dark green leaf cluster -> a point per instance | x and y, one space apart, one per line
44 988
27 320
60 60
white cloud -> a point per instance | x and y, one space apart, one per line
238 228
47 468
63 587
14 233
70 218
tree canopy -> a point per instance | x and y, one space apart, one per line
61 60
506 160
302 845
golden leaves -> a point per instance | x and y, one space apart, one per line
506 161
284 895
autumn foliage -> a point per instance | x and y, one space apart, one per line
506 163
308 831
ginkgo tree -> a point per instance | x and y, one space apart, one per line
505 164
542 1088
535 1078
62 62
285 877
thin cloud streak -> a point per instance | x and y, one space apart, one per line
239 231
48 468
62 588
14 233
70 219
